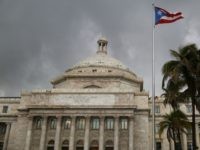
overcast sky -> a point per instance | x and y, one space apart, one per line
40 39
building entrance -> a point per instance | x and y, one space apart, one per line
109 145
1 145
94 148
109 148
79 148
79 145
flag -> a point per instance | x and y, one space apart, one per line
162 16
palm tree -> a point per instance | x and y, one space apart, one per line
175 123
185 69
171 94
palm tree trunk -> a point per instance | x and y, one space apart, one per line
170 145
174 138
193 125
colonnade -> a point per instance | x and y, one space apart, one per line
42 144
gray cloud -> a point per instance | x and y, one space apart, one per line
40 39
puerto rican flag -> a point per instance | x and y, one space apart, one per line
162 16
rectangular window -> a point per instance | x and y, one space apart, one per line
189 134
189 108
157 109
158 146
52 123
80 124
67 123
124 123
109 123
5 109
38 123
157 128
95 123
189 146
2 128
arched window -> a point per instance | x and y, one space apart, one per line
50 145
65 145
38 123
80 123
109 145
79 145
52 123
2 128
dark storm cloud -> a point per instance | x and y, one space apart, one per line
40 39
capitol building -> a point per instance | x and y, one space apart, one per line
98 104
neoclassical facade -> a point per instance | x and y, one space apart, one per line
98 104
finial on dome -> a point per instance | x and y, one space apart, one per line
102 45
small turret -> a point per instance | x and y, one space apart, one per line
102 45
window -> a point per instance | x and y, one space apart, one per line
67 123
80 124
157 128
157 109
95 123
189 108
109 123
5 109
2 128
50 145
65 145
158 146
94 70
189 146
52 123
189 134
124 123
38 123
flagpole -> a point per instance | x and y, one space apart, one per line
153 77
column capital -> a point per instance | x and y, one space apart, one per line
73 117
131 117
102 117
44 116
87 117
8 123
116 116
30 117
58 116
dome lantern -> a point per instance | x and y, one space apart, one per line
102 45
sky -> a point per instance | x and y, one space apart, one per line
40 39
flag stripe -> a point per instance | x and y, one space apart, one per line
162 21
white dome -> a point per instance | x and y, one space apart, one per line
101 60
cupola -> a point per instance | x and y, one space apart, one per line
102 45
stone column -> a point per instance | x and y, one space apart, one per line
116 133
29 133
197 136
58 130
5 144
101 133
87 133
131 136
72 133
43 133
184 143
